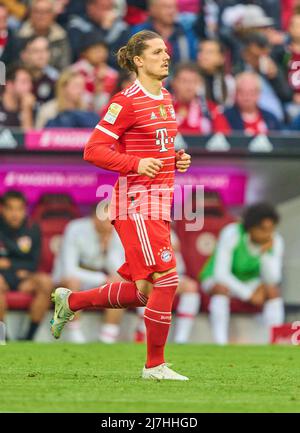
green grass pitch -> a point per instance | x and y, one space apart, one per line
99 378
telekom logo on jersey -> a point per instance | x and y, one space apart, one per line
162 139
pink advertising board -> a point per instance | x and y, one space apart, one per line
66 139
82 180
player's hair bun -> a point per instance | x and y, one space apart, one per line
135 47
124 60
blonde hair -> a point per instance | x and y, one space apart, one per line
35 2
64 79
135 47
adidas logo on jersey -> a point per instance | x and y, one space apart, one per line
153 116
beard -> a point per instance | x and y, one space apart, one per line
163 76
160 77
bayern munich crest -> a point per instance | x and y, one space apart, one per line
165 254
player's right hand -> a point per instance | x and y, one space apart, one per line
149 167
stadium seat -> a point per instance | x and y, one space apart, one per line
286 334
52 213
18 301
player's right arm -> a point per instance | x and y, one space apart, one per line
100 149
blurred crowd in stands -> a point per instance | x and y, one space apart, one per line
235 64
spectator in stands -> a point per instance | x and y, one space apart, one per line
288 55
90 256
17 103
239 21
65 8
247 264
188 305
20 247
188 11
275 89
295 125
41 22
246 115
207 22
67 110
17 10
219 86
125 78
181 42
7 39
194 112
100 79
36 56
136 12
102 18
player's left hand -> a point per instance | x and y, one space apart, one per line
183 161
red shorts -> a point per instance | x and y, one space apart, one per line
147 246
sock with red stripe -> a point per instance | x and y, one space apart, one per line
187 310
157 316
114 295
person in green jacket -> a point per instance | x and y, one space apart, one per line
246 264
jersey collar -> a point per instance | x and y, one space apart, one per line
157 97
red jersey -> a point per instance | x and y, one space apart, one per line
137 125
255 126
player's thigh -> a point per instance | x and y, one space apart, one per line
211 287
27 285
187 285
4 287
71 283
272 292
144 286
10 280
42 282
147 245
157 275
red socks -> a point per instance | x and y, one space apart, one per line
158 317
114 295
125 294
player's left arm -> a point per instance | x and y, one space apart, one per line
183 161
272 261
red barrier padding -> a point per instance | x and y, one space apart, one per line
18 300
288 333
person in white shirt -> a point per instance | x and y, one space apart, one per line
188 305
246 264
90 255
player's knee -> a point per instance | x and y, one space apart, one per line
144 287
3 285
71 283
187 285
220 289
27 286
43 283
